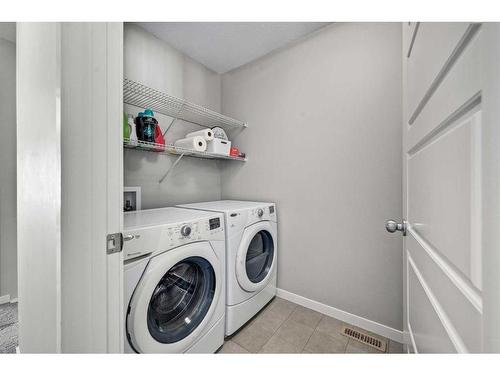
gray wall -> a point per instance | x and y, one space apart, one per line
154 63
8 235
324 143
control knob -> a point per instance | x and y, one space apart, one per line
186 230
260 212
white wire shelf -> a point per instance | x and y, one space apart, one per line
139 95
172 150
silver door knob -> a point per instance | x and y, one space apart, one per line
393 226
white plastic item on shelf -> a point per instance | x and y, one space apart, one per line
193 143
219 146
207 134
220 133
133 133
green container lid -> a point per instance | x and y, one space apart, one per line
126 129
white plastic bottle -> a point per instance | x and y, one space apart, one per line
133 133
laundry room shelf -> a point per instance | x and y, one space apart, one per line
172 150
139 95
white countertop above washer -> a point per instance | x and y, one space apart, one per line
225 205
161 216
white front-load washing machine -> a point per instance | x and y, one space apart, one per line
251 257
174 281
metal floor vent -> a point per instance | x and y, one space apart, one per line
365 338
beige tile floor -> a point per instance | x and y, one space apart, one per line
284 327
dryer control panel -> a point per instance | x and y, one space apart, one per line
166 237
245 217
263 213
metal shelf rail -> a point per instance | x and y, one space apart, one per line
173 150
139 95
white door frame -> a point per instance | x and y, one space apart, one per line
92 187
406 332
491 187
114 144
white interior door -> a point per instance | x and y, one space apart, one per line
450 170
69 131
39 186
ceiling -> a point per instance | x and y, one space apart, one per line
224 46
8 31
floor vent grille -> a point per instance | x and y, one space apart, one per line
365 338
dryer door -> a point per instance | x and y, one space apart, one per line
175 299
256 257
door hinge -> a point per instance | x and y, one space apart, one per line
114 243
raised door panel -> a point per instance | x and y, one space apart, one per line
443 194
427 332
458 92
433 45
461 303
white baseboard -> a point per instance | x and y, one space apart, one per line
369 325
5 299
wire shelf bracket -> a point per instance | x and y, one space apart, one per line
171 168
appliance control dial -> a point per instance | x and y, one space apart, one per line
260 212
186 230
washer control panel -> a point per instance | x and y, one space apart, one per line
214 223
179 234
165 237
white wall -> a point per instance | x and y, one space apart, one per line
8 241
154 63
324 143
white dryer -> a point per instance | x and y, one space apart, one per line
174 281
251 257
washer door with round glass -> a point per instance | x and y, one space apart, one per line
255 260
175 299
